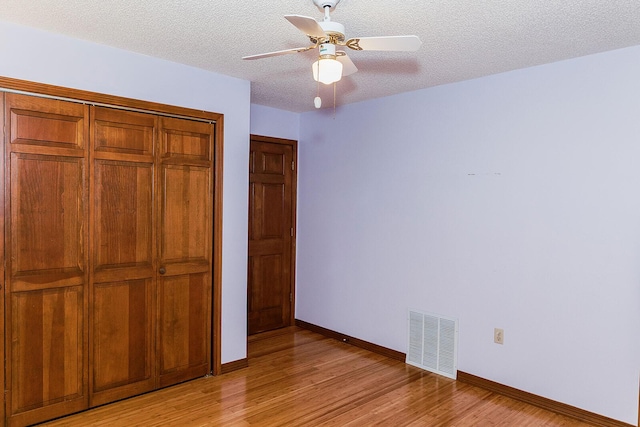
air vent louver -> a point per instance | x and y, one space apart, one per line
433 343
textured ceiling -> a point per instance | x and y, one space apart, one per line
462 39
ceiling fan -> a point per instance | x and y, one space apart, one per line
328 36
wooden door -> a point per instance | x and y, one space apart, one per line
271 231
46 274
122 291
185 231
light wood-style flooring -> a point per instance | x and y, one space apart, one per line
299 378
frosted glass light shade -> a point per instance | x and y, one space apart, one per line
330 70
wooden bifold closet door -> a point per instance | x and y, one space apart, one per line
122 295
109 254
46 279
185 231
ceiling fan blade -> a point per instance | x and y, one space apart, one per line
307 25
278 53
348 67
397 43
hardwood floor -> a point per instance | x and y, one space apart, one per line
299 378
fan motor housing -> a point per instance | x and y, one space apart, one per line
333 29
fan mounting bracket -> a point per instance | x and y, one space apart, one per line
326 3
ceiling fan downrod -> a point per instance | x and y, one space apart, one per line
327 6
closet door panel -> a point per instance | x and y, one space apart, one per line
45 122
46 240
47 216
121 350
185 210
123 215
123 132
47 350
184 327
184 246
122 340
122 302
187 140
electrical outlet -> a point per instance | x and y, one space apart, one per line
498 336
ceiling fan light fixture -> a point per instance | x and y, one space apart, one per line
327 70
326 35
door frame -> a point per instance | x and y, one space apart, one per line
294 211
2 255
8 84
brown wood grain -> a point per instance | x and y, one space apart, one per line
185 232
296 377
66 158
83 98
47 277
234 366
122 288
271 242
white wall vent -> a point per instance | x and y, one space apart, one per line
433 343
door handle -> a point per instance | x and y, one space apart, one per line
162 270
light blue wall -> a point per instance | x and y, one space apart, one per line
510 201
267 121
